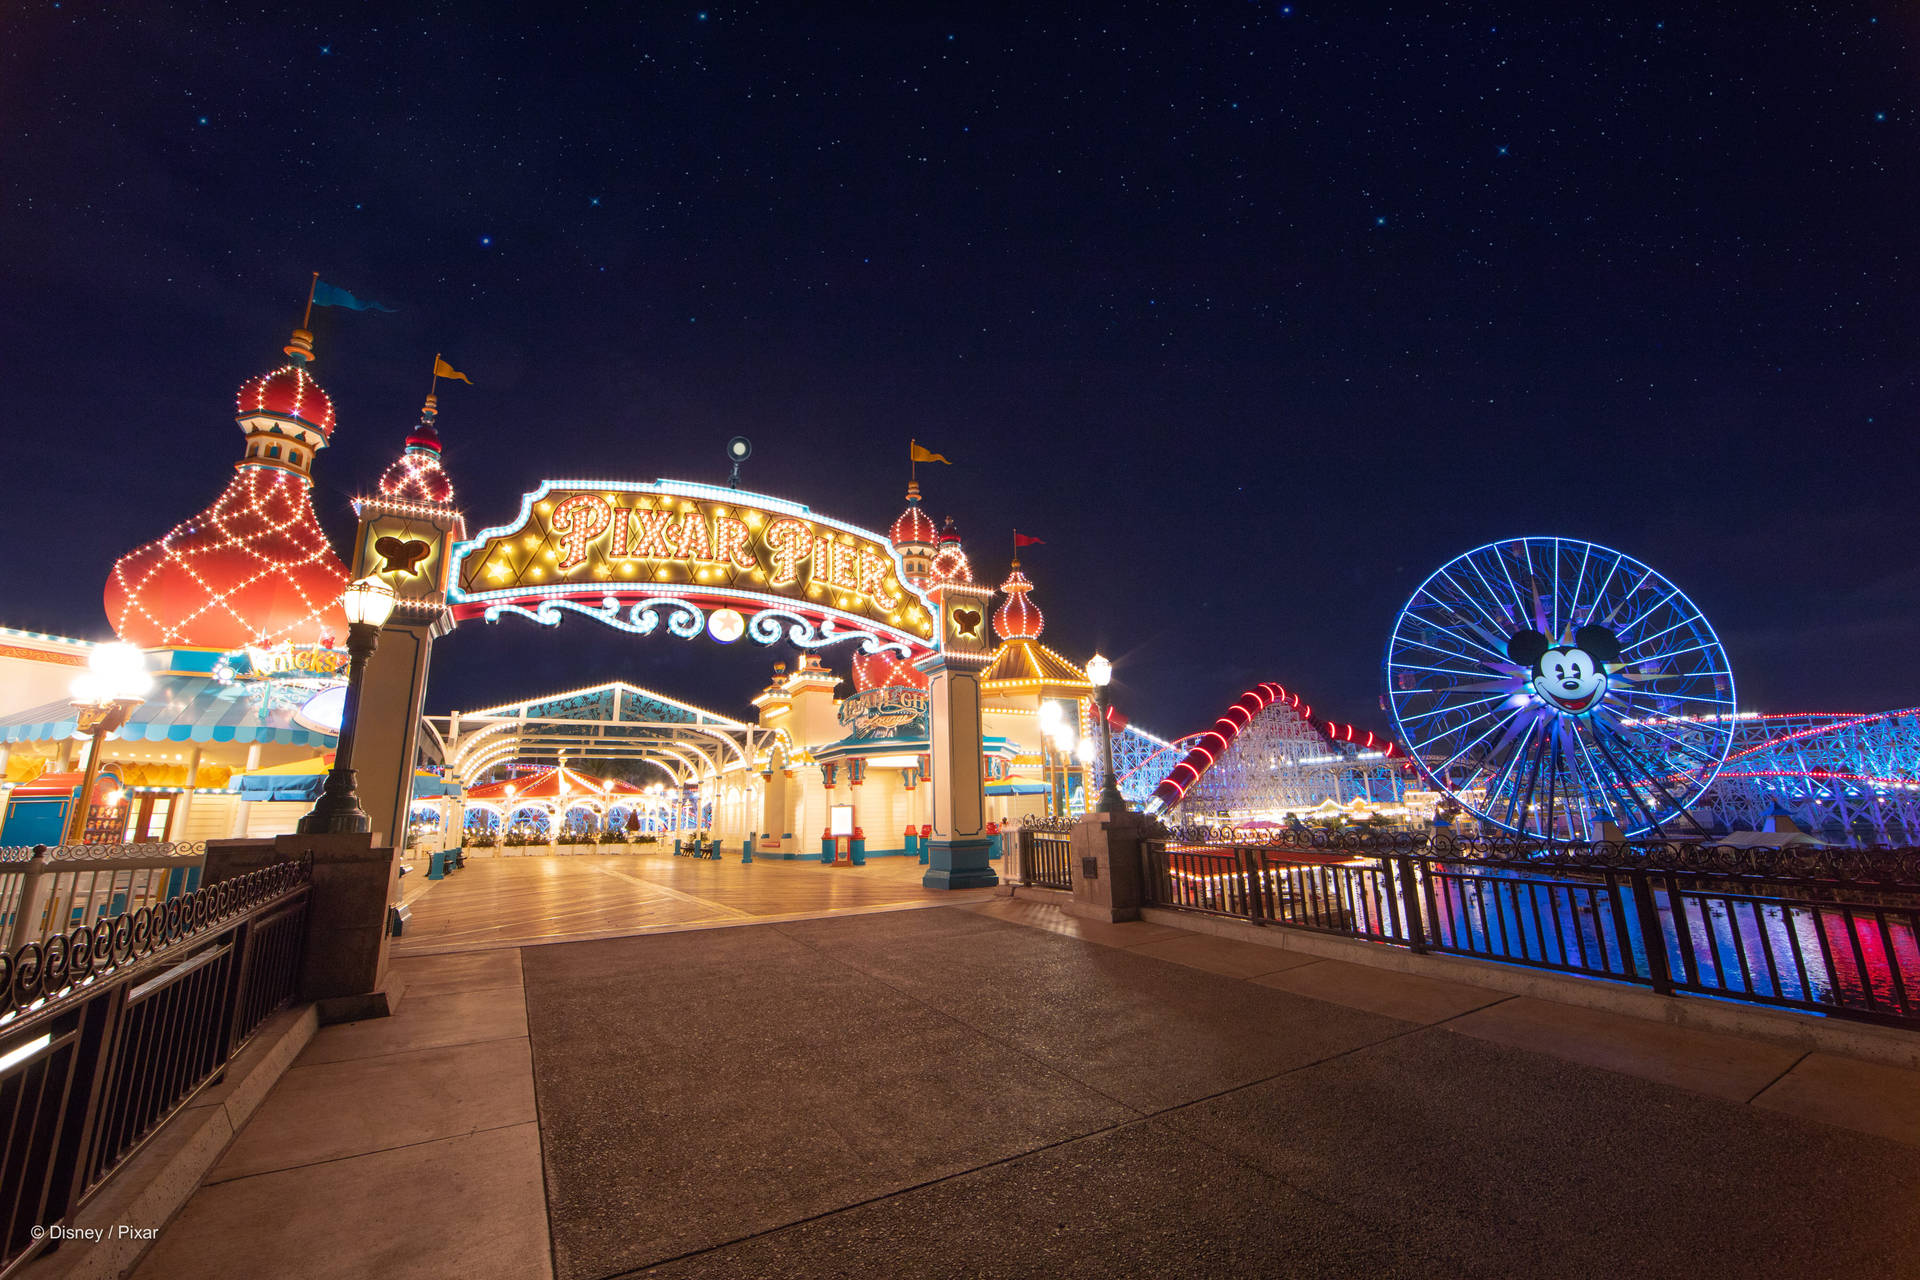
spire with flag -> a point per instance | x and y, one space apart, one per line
918 453
441 369
322 294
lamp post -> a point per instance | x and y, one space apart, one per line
1100 671
368 604
116 681
1086 753
1053 734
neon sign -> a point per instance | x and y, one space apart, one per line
628 553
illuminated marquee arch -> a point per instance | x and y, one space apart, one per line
691 557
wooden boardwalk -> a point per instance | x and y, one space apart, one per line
511 901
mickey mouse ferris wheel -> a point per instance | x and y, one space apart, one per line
1548 685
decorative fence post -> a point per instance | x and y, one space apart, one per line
1251 883
32 902
1652 939
1409 901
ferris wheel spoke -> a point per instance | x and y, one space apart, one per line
1644 640
1681 744
1624 786
1641 617
1651 773
1455 653
1486 586
1491 622
1445 671
1633 592
1520 796
1600 592
1490 731
1455 707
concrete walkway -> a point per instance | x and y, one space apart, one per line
998 1089
511 901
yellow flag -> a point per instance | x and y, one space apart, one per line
441 369
921 454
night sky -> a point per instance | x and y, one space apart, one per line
1256 313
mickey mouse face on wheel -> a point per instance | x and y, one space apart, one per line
1569 678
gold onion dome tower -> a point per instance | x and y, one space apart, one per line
913 537
416 475
254 568
1022 662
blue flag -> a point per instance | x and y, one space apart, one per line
327 295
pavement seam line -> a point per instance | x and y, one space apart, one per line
539 1128
361 1155
604 935
1782 1076
962 1022
679 895
297 1065
882 1196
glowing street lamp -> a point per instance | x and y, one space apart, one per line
115 682
1100 672
1057 735
368 604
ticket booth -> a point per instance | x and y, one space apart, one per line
39 812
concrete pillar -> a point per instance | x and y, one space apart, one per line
389 731
1108 880
957 857
344 969
237 825
177 826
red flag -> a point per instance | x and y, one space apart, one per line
1116 721
1022 540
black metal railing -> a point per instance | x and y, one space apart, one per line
107 1031
1822 930
1044 859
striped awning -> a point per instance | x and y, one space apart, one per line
184 708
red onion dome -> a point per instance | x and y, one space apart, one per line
252 569
416 475
289 392
885 670
949 562
914 527
1017 618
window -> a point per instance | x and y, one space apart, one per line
293 456
273 451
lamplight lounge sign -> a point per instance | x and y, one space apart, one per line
583 541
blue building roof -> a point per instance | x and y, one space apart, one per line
183 708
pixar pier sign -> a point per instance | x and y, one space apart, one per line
694 557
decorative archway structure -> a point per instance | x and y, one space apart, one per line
692 558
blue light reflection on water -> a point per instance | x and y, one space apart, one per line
1735 944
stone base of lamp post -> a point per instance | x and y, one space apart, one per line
960 864
1107 879
344 970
